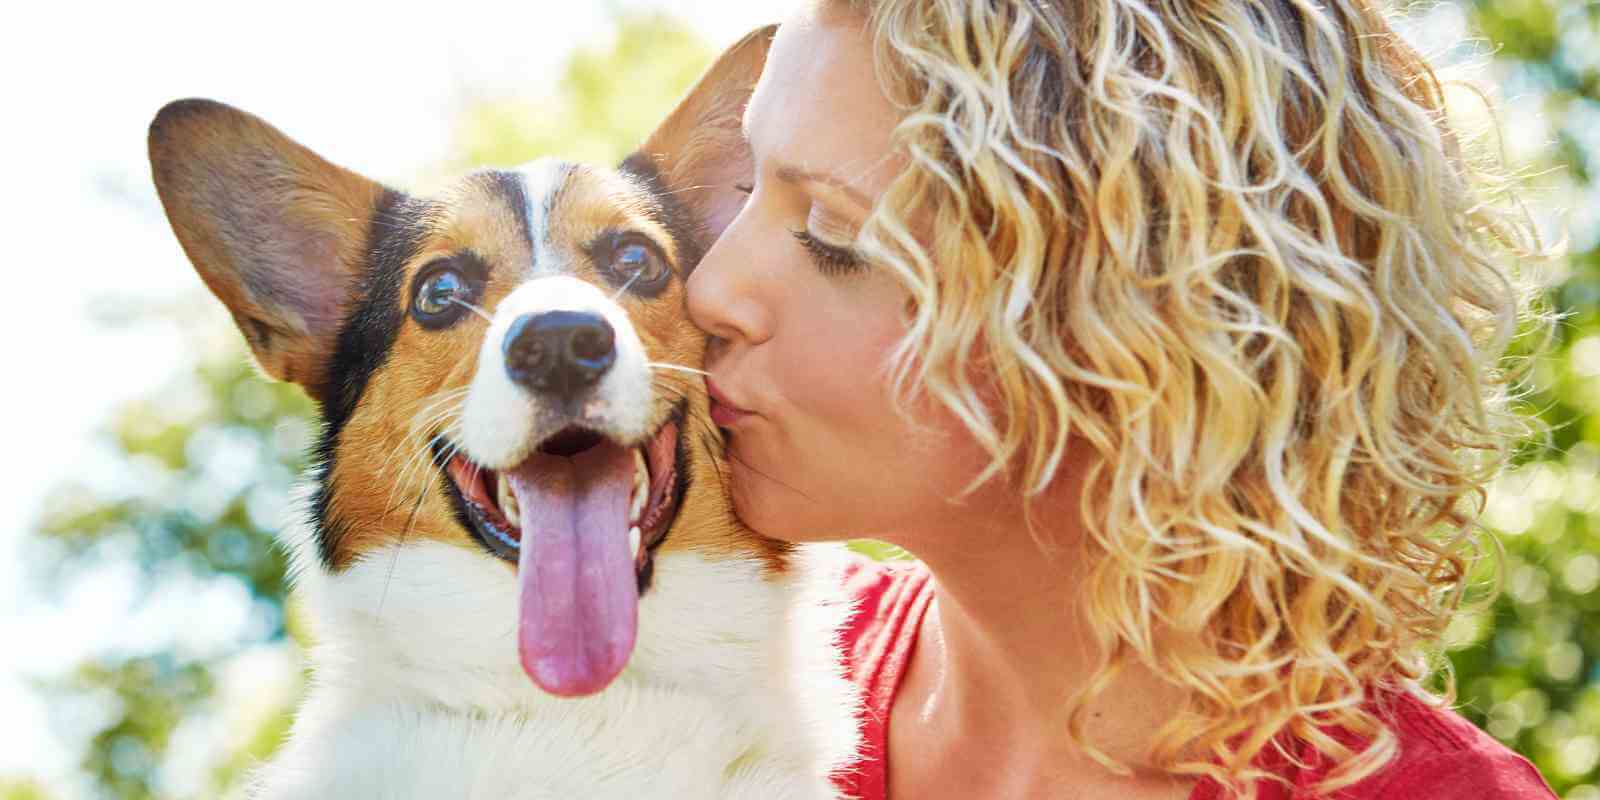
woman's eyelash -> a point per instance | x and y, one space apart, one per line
831 259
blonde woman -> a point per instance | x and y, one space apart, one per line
1168 336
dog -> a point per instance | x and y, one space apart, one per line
521 568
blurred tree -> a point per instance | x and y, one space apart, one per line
1529 670
209 461
22 790
604 104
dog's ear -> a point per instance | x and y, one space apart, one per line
275 231
698 153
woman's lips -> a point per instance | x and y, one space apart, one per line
724 413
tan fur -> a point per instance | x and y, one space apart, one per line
478 219
594 201
380 446
382 485
281 237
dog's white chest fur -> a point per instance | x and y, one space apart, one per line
734 689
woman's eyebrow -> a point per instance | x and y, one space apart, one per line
793 174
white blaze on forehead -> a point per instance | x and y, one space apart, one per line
542 181
503 421
606 199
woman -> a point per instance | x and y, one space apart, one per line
1167 336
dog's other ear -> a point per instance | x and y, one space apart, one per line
698 153
275 231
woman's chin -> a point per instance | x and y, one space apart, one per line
779 513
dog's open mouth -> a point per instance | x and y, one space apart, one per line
582 518
495 512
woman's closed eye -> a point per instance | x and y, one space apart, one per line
831 259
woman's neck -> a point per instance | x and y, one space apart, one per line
1005 645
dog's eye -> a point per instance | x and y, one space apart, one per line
635 263
439 297
633 259
439 290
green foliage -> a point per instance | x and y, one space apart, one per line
1529 670
152 693
210 459
22 790
606 102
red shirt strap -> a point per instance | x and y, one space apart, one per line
1442 755
878 638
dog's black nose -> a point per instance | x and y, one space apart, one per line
559 352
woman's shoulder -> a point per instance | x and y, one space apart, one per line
1443 755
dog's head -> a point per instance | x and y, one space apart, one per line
505 369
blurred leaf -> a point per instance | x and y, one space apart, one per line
22 789
605 103
1529 672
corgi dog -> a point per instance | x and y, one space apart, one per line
521 568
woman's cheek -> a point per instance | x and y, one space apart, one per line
842 377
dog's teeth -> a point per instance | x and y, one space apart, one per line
508 501
634 537
641 487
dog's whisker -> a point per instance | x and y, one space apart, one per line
474 309
435 414
416 465
709 437
420 426
714 444
414 469
625 286
438 401
403 477
695 187
423 431
422 494
677 367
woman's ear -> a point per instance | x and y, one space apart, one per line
276 232
698 154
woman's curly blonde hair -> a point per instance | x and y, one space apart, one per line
1233 247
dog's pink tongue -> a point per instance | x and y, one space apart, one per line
580 595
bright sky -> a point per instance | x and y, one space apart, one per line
366 84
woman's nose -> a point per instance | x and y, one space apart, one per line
724 289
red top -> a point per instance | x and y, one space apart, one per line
1441 754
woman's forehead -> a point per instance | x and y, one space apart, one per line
818 107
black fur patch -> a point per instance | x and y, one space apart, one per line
366 336
668 211
509 186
